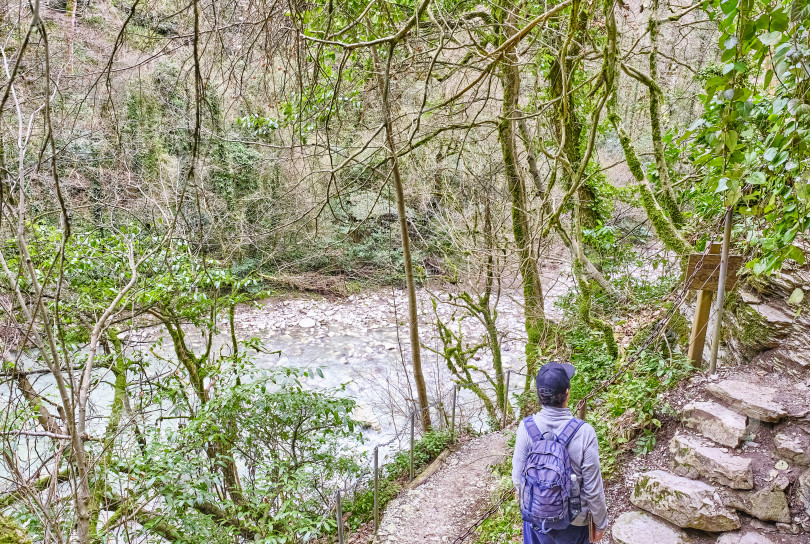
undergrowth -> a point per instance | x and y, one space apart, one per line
506 524
393 475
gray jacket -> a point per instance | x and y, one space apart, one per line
583 451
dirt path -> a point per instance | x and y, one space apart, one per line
449 501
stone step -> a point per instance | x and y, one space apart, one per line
639 527
744 537
715 421
753 400
684 502
792 443
693 458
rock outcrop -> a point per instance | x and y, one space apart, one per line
768 504
739 464
792 443
744 537
803 490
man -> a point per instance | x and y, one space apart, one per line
553 391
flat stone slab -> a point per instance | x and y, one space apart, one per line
642 528
747 537
754 400
692 458
684 502
715 421
792 442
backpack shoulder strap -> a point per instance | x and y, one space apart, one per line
531 428
570 430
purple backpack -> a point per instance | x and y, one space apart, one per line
546 482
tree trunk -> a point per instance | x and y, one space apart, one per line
413 314
667 232
532 289
667 194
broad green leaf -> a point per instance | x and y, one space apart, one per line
756 178
796 296
731 140
728 6
770 38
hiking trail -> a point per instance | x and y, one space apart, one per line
449 501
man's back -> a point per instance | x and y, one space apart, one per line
583 451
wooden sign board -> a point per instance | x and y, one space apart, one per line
704 271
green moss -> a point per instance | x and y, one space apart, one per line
752 330
681 327
11 533
629 153
664 228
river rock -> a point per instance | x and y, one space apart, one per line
754 400
684 502
307 323
803 490
769 504
792 442
642 528
715 421
364 415
748 537
692 458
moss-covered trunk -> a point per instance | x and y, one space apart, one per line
532 288
665 229
668 200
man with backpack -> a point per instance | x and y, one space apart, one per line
556 470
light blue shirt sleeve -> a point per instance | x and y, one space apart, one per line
522 448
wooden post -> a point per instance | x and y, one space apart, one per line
703 309
339 519
413 422
697 340
582 411
710 272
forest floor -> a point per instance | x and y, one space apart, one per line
452 500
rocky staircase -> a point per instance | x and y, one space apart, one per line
736 471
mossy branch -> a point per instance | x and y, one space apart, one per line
665 229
